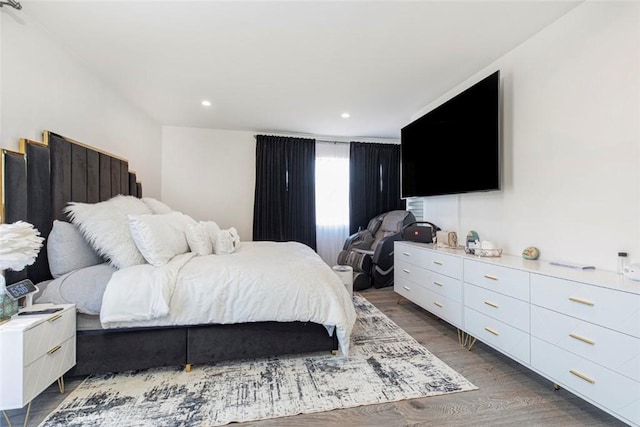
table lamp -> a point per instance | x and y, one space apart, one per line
20 244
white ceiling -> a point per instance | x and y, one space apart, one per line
293 66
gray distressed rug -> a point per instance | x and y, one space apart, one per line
385 364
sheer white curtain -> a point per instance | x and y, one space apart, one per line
332 199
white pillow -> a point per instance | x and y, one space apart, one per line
213 230
159 237
105 225
156 206
228 241
198 239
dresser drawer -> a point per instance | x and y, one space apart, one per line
441 306
497 334
508 281
438 283
431 259
511 311
604 388
606 307
47 334
614 350
404 252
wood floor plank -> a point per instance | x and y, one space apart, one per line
508 395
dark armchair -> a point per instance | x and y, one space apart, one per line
370 251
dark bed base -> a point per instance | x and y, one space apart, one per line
60 171
115 350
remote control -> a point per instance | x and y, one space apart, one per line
45 311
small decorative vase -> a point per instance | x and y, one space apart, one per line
530 253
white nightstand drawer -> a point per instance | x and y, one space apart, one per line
597 384
592 342
508 281
44 336
43 372
497 334
501 307
619 311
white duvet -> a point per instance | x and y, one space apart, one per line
260 281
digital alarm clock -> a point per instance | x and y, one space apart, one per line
21 289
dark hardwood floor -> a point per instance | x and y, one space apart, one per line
509 394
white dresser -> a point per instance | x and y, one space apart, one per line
35 351
579 329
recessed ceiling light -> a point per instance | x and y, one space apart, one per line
206 103
345 115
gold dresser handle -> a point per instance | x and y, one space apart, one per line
583 339
491 331
406 271
406 288
54 349
437 283
406 254
438 262
491 304
437 304
582 301
582 376
489 276
54 318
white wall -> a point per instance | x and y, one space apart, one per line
43 87
571 123
210 175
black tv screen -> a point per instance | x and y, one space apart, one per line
455 148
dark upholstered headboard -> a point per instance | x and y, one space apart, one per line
39 181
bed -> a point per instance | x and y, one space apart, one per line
203 310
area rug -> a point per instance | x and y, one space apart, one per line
385 364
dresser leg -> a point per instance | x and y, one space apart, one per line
556 387
187 367
61 384
6 417
26 417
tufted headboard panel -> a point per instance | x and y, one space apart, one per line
39 181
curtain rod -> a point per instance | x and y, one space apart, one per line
317 140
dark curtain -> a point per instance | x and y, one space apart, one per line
284 205
374 182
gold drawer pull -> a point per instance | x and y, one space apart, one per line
489 276
582 301
437 283
438 262
583 339
491 331
406 254
437 304
406 271
491 304
54 318
54 349
406 288
583 376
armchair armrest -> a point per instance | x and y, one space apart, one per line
359 240
383 255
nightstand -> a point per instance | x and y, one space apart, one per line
35 351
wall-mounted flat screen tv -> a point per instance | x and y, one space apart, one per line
456 147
